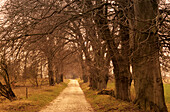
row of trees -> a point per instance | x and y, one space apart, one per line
102 34
34 61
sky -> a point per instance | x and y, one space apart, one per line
1 2
167 1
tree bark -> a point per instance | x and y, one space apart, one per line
61 78
122 79
120 60
146 66
6 91
83 67
50 72
56 74
93 78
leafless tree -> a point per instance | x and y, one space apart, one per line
121 31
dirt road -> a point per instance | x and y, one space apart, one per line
72 99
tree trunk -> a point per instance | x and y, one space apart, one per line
36 81
146 66
98 79
123 76
85 78
93 78
56 75
61 78
120 63
50 72
6 91
84 72
102 83
122 79
83 67
11 94
41 69
99 72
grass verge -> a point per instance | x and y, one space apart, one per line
37 98
167 95
106 103
111 85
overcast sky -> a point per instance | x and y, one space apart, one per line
1 2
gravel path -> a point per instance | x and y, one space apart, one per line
72 99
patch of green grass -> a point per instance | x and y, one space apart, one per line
48 95
106 103
167 95
37 99
111 85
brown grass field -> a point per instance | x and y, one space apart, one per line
106 103
38 97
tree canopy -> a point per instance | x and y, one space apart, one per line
97 35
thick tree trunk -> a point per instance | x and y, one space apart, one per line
60 78
57 75
93 78
85 78
102 83
98 79
99 71
146 66
50 72
122 79
120 63
84 72
51 79
123 76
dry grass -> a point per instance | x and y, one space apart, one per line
38 97
106 103
111 85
